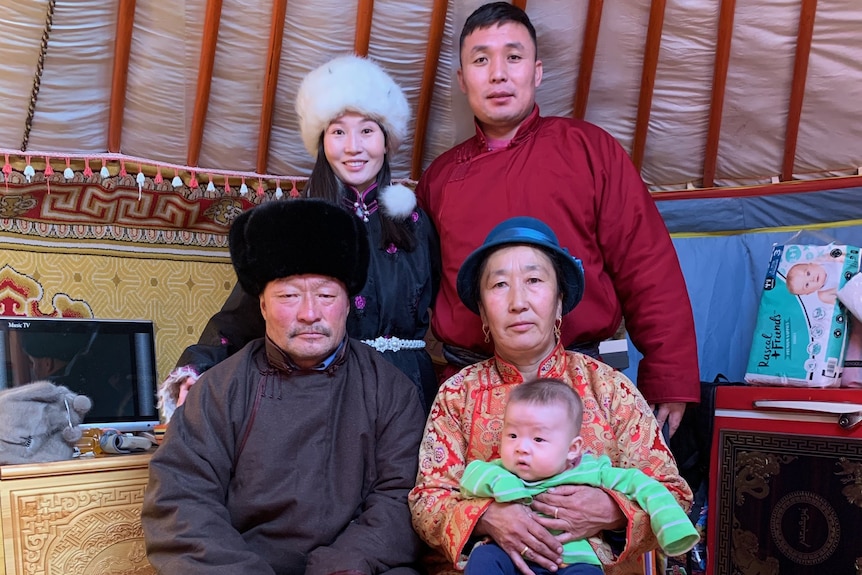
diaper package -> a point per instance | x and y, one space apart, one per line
801 334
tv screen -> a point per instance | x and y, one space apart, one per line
110 361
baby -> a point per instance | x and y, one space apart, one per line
810 277
541 447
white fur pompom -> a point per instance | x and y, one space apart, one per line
398 201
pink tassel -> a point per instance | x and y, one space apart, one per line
193 183
49 171
158 179
123 172
294 193
7 169
260 189
87 170
226 186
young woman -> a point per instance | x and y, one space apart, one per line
352 118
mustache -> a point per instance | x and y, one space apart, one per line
321 330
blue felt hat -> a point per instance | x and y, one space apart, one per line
522 230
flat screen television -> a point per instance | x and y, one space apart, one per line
110 361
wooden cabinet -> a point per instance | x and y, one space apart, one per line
786 481
77 517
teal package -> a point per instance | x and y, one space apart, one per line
801 331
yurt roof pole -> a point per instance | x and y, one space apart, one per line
122 51
797 92
719 85
209 41
650 65
426 89
270 83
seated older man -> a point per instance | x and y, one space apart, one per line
296 454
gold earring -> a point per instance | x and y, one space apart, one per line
557 325
487 331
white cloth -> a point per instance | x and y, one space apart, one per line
851 296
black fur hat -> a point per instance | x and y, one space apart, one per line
281 238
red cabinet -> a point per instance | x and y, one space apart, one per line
786 482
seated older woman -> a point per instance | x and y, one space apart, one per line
521 283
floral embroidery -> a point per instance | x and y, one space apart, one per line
415 217
359 302
391 249
464 424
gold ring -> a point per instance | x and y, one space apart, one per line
524 552
556 509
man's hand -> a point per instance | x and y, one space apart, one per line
578 511
515 529
670 412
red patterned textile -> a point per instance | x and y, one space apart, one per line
94 204
465 424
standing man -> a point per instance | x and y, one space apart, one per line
579 180
295 455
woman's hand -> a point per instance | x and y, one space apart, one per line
578 511
515 529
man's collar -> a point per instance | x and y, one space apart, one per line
282 361
527 127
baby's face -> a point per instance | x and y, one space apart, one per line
538 441
806 278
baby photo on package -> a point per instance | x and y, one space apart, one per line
801 333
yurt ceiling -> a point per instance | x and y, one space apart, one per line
702 93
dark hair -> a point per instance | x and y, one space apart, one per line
324 184
551 391
496 14
555 262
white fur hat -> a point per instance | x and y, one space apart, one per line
351 84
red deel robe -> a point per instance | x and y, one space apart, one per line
578 179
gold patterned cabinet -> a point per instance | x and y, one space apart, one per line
77 517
